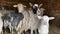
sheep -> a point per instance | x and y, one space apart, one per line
44 25
24 23
11 20
1 24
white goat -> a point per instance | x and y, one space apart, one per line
1 24
44 25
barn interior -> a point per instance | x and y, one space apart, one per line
52 9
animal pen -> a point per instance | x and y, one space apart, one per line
29 17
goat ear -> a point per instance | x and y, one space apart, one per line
51 18
18 5
15 5
39 17
42 9
30 4
40 5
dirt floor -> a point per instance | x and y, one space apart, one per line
53 30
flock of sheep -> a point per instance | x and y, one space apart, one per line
33 19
